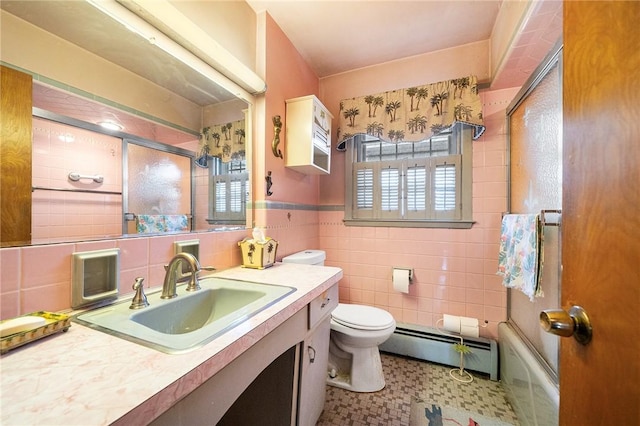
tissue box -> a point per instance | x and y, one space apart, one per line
258 254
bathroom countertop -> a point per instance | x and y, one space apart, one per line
87 377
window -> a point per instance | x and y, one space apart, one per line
228 185
410 184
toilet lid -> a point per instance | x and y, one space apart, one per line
362 317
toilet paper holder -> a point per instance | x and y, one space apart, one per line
396 268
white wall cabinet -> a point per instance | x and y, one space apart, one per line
308 136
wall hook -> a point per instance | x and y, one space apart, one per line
277 126
269 183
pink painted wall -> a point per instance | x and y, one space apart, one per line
286 218
287 76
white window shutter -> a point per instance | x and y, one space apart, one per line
446 187
229 196
220 195
363 190
418 191
390 191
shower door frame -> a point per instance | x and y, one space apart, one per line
553 59
129 139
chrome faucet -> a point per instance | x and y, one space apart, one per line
172 269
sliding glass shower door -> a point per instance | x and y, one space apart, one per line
157 190
535 174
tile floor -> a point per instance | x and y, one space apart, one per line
406 377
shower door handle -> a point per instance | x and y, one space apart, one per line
566 324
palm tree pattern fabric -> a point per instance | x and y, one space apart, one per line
226 140
412 114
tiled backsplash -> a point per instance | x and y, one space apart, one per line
39 277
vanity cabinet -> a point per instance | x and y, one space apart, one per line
315 357
308 136
281 380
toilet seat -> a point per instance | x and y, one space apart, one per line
362 317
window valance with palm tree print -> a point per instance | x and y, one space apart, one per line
412 114
224 140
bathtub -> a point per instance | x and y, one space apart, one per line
534 396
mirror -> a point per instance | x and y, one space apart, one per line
87 27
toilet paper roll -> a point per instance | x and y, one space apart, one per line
469 330
401 280
468 322
451 323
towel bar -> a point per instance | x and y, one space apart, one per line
543 219
85 191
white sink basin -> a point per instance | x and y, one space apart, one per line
190 320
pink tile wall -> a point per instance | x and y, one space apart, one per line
58 150
295 230
39 277
454 269
62 216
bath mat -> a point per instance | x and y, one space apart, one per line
425 413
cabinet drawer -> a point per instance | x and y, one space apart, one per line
322 305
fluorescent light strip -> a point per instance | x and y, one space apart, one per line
205 46
145 30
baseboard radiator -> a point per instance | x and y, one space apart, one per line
429 344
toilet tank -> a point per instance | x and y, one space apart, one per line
306 257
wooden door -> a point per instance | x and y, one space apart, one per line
15 157
600 382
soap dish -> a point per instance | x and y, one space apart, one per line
55 323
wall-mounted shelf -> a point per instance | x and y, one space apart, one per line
308 140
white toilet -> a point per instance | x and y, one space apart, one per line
356 332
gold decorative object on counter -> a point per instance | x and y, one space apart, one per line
54 323
258 254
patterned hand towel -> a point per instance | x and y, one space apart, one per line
521 253
150 223
176 222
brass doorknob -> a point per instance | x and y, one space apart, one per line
574 323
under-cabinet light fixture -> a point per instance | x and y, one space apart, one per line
111 125
240 80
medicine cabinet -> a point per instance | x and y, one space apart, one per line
308 140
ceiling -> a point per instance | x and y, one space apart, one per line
338 36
